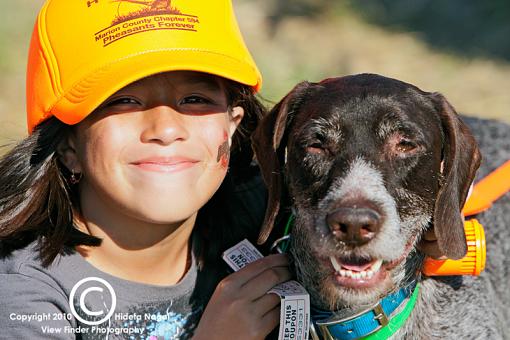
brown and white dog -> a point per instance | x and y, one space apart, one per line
368 164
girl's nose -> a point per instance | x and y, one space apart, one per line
163 125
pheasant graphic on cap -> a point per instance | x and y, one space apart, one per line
156 4
131 9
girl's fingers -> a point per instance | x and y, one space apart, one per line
256 268
265 303
236 286
270 320
262 283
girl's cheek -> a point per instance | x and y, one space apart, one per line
223 152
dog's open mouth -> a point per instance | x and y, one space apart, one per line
363 272
357 272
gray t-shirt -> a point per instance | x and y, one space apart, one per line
34 302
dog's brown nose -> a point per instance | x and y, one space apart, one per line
354 226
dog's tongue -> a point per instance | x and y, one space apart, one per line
357 267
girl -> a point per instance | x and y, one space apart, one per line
132 107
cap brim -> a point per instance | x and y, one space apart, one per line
85 96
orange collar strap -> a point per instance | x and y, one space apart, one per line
488 190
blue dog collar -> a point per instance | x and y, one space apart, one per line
368 322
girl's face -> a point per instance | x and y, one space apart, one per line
157 150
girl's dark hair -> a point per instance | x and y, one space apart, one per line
37 201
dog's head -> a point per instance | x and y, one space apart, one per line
369 163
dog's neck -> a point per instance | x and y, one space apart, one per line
348 311
381 320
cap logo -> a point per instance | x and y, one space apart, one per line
90 2
137 16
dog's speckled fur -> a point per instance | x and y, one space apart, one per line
466 307
353 168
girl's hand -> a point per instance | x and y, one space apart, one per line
240 308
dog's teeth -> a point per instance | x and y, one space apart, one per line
368 274
376 266
335 264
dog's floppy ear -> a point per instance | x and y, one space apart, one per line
269 147
461 159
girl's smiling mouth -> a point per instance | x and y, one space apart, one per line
165 164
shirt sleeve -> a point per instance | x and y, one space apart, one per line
32 309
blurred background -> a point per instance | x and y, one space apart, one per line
457 47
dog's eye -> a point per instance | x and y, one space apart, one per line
316 149
405 146
401 146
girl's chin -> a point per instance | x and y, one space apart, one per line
163 214
157 222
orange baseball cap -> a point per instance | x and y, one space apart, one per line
83 51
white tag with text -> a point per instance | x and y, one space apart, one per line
241 254
295 301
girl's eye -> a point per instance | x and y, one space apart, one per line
122 101
194 100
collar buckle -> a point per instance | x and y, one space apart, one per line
378 311
380 315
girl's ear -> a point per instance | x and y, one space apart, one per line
236 115
67 154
